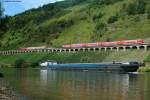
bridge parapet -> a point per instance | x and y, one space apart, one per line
144 47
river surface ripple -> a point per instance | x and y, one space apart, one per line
36 84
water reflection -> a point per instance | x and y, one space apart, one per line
91 85
43 77
68 85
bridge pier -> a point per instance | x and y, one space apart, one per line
60 50
124 48
88 49
48 50
111 48
145 47
138 47
74 50
37 51
64 50
117 49
83 49
105 48
69 50
99 49
94 49
52 50
131 47
78 49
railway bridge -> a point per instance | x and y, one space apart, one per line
144 47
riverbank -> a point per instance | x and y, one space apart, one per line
6 93
33 59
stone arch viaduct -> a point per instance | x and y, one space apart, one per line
144 47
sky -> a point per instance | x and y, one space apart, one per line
12 8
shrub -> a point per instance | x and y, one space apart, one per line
34 64
100 26
148 13
141 7
144 69
137 7
100 29
107 2
131 9
85 60
108 39
148 16
137 18
19 63
112 19
95 18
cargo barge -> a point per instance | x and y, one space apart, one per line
106 67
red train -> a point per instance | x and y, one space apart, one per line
105 44
97 44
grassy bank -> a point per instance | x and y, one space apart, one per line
32 59
144 69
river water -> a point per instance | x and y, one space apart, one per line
36 84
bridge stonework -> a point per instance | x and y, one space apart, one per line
144 47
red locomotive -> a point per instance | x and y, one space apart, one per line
105 44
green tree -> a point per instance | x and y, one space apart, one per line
1 20
148 13
131 10
100 2
19 63
141 7
137 7
112 19
96 17
1 10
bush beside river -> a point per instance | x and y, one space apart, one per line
144 69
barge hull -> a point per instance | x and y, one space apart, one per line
96 67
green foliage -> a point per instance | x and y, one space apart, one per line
41 14
112 19
1 10
19 63
100 26
40 25
85 60
55 27
141 7
32 60
137 7
99 31
34 64
144 69
76 21
3 21
97 17
107 2
148 13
